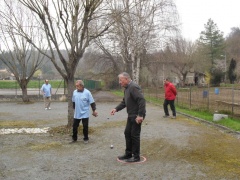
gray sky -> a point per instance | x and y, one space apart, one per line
195 13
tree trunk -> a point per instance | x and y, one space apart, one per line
137 70
70 89
23 85
135 60
184 77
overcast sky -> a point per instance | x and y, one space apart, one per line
195 13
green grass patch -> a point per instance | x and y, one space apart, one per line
117 92
22 123
230 123
17 124
196 113
12 84
230 85
154 100
148 99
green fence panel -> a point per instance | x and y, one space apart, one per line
91 84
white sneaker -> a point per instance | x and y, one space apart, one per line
49 108
45 108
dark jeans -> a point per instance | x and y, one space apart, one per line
172 106
132 137
75 128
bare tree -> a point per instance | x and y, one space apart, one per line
17 54
182 55
69 25
232 47
100 65
140 27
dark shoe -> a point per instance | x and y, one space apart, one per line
133 159
125 156
166 116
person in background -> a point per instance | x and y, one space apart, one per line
82 100
135 104
46 90
170 95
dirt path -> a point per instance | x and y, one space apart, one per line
175 149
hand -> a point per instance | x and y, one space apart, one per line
95 114
113 111
139 120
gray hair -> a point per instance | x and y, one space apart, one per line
126 75
80 82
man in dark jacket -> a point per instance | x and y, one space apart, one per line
136 109
170 95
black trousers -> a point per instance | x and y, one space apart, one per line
172 106
132 137
85 128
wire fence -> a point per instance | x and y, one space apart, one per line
10 89
212 99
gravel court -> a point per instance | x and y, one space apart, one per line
162 142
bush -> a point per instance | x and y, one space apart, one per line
216 77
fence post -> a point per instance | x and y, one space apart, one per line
38 87
190 98
16 90
64 91
208 96
232 98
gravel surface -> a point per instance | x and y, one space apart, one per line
180 148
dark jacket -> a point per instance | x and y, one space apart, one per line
133 100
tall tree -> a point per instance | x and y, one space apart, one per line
212 44
69 25
20 56
140 26
231 71
233 46
212 41
181 53
233 43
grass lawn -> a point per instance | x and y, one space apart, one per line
231 123
12 84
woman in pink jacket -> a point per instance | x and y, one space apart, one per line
170 95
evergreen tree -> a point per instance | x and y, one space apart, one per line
212 45
231 71
212 41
